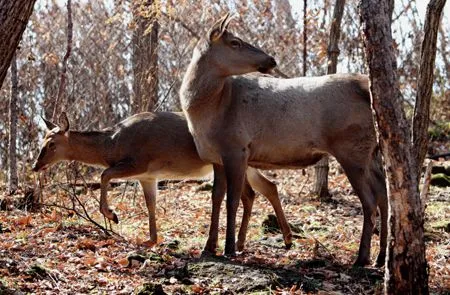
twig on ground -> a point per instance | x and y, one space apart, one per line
105 230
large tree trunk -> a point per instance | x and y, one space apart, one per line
145 58
14 17
321 168
12 163
406 268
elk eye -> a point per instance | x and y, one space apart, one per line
51 145
235 43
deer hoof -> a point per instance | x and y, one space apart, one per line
288 245
115 218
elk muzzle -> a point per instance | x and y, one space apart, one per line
267 65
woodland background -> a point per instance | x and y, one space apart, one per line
119 66
130 56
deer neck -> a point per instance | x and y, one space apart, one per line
202 85
90 147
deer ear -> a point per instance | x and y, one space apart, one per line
49 124
218 28
64 122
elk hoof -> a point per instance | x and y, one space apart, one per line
240 247
229 253
361 262
380 260
210 247
207 253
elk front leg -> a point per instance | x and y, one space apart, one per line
150 191
248 198
121 170
218 193
235 167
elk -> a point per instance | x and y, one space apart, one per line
240 120
148 147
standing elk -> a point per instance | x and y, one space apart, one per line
149 147
268 123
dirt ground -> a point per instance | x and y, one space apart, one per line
52 250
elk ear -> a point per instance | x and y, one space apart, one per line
49 124
218 28
64 121
227 21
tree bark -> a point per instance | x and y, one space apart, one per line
59 102
14 17
425 82
145 59
305 35
12 164
321 168
406 267
444 45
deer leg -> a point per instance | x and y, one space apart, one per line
217 197
264 186
150 188
383 206
380 191
122 170
235 166
360 182
248 197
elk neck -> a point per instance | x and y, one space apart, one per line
202 85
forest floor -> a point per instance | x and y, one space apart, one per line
53 251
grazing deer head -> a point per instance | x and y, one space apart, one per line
55 146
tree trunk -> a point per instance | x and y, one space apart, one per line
60 101
305 35
425 82
145 59
406 267
444 52
14 17
12 164
321 168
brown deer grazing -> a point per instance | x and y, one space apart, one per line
268 123
148 147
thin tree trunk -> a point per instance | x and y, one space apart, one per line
59 102
425 82
12 164
145 59
443 50
406 267
321 168
14 17
305 35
